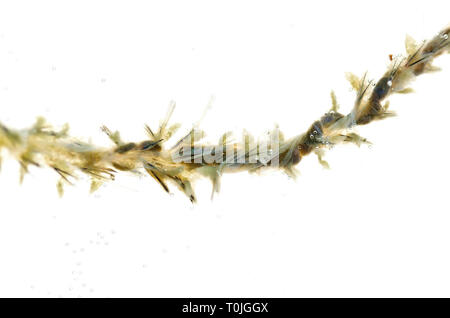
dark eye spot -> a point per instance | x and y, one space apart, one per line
148 144
125 148
296 157
381 89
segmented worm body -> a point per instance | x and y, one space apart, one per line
188 159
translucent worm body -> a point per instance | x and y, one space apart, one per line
40 145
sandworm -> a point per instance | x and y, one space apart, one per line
180 164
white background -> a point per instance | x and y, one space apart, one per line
376 224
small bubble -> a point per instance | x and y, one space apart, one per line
389 83
315 132
311 136
444 36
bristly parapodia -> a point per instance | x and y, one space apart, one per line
41 145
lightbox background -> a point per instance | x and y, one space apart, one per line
376 224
